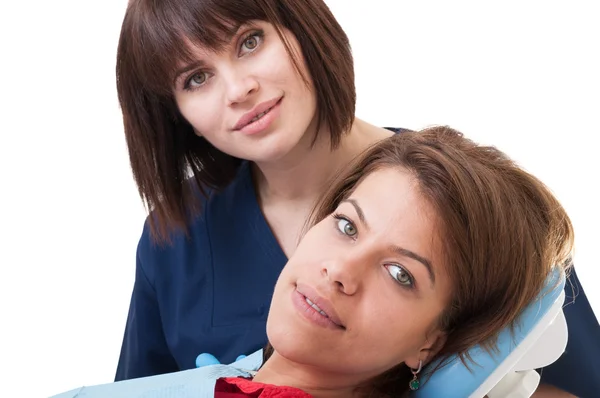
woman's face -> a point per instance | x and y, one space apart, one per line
365 287
225 95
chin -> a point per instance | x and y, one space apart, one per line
300 348
275 148
288 341
325 361
279 144
295 351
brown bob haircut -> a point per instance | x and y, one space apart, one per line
164 151
503 233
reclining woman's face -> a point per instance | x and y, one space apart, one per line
365 288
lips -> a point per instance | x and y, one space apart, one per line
316 307
259 111
320 304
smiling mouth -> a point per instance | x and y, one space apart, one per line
316 307
260 115
321 312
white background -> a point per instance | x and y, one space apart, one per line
521 75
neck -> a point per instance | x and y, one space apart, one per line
303 174
282 372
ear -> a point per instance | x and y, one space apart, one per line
433 344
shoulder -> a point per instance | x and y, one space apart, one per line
576 371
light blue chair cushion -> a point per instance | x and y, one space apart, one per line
456 381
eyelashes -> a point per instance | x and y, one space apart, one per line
249 44
401 275
345 226
254 38
188 82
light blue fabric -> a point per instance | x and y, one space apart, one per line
194 383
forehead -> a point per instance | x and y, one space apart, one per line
392 191
397 211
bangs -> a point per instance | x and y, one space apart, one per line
161 34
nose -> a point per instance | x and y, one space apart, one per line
346 273
240 86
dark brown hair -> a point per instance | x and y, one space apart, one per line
163 148
503 232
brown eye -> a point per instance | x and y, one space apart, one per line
251 42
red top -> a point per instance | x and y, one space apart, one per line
239 387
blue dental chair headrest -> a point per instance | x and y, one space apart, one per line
539 338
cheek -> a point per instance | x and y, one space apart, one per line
278 68
203 113
278 71
315 244
275 310
394 327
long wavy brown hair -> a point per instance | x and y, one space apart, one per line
502 228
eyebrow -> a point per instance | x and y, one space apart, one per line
407 253
396 249
201 64
359 211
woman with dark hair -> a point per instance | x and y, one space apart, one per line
230 121
236 113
